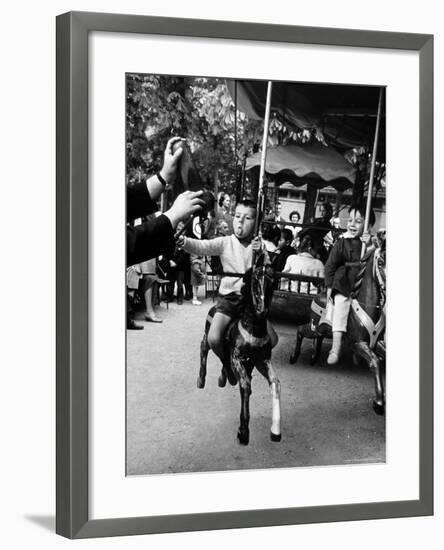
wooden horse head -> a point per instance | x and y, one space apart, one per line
258 287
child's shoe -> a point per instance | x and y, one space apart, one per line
335 352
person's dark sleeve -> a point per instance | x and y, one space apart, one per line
281 259
335 259
138 201
149 240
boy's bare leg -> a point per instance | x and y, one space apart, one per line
216 333
216 341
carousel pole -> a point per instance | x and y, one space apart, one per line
372 169
260 191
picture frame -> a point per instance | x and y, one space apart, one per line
72 406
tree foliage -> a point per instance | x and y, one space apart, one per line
198 109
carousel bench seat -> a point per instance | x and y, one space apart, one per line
292 300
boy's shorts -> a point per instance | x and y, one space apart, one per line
230 304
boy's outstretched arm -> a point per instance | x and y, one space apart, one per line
205 247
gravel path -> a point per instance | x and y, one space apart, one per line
327 417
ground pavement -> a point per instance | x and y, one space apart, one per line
172 426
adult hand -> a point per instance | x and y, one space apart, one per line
171 159
186 204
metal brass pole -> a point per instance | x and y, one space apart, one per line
372 170
260 191
373 164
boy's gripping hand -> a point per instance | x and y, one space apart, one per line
366 238
180 241
257 244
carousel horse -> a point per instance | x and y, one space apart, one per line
247 345
366 321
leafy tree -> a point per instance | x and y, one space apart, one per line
199 109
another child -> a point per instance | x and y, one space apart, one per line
197 277
284 249
303 263
340 278
236 254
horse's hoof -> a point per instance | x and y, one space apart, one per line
292 359
200 382
232 379
243 437
229 374
222 381
379 408
313 360
275 437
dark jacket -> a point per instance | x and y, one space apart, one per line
338 276
151 238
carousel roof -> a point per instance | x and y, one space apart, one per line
300 164
345 114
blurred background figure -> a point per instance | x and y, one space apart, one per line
133 276
223 211
303 263
284 249
334 234
147 285
270 238
278 218
295 217
197 277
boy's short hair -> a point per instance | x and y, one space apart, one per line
286 234
359 207
271 233
248 203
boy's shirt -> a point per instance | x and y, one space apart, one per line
235 258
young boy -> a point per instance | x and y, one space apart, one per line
236 254
284 249
340 279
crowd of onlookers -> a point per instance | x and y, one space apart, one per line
180 276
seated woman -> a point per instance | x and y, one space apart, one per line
295 217
303 263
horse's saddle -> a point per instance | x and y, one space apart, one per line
374 329
321 318
320 321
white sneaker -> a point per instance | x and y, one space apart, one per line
333 358
196 302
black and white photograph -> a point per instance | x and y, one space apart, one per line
255 274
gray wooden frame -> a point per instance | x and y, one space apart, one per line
72 273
